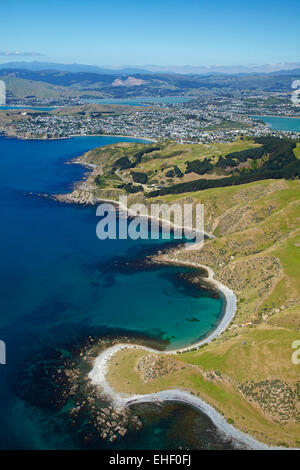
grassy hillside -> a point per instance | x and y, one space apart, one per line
23 88
247 373
274 158
163 170
156 84
163 164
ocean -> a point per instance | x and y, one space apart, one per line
60 286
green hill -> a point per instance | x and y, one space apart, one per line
247 373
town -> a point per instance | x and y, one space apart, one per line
207 118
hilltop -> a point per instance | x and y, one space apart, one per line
153 171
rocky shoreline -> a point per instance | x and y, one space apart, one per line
83 194
11 134
119 401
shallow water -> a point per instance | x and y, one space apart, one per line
281 123
59 284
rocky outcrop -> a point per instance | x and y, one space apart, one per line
78 197
154 366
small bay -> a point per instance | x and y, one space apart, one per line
280 123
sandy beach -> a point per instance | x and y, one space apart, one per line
98 374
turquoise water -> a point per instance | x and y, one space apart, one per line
281 123
59 283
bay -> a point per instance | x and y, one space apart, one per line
281 123
59 283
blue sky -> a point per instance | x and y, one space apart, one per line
114 32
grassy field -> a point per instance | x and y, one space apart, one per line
168 168
177 155
164 157
22 88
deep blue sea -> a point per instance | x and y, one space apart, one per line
60 284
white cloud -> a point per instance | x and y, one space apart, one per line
20 54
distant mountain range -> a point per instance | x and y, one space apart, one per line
285 69
73 68
49 82
223 69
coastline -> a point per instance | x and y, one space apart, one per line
114 135
19 137
285 116
98 373
161 222
120 401
217 418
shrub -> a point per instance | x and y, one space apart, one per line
139 177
